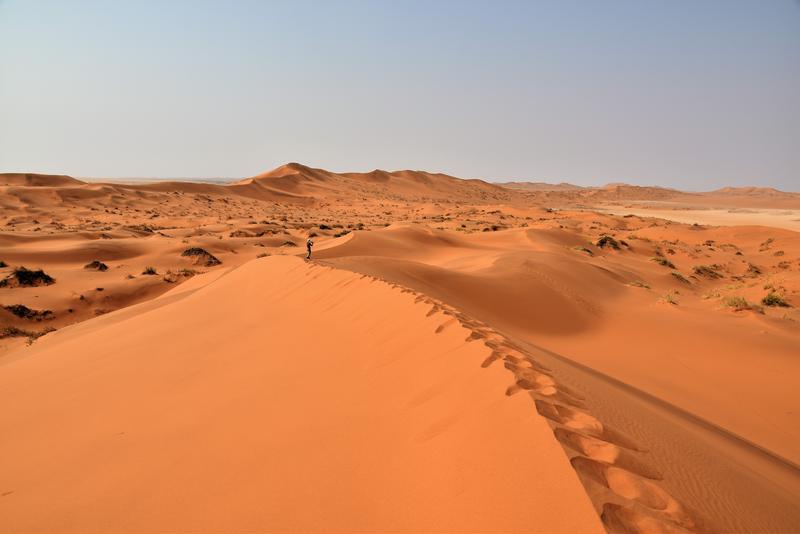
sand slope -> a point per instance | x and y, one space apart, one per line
278 396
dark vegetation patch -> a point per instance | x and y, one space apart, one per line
22 277
774 299
13 331
140 228
201 256
174 276
24 312
289 244
608 242
707 271
150 271
753 270
664 262
679 277
96 265
241 233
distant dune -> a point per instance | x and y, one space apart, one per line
37 180
540 186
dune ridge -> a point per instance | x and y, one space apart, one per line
218 431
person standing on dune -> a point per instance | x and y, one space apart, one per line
309 244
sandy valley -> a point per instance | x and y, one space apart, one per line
457 356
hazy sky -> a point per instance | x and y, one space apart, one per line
694 94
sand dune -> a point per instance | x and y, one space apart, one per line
202 377
37 180
281 406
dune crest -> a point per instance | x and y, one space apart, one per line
281 375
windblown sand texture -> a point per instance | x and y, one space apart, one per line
458 356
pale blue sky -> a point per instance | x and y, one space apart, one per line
694 94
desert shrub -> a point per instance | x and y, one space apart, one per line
639 283
201 256
324 227
289 244
774 299
263 255
173 276
707 271
13 331
608 241
27 278
149 271
670 298
664 262
240 233
96 265
3 264
584 249
753 270
679 277
23 312
738 303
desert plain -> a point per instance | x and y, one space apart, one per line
457 356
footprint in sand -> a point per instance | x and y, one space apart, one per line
603 451
441 327
620 519
583 422
635 488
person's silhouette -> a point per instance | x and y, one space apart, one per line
309 244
